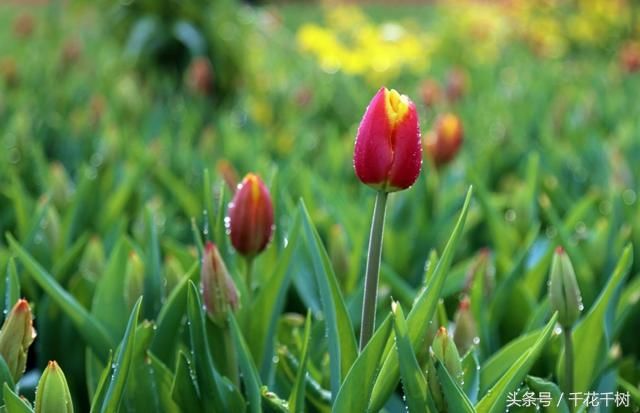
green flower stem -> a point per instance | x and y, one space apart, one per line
231 356
373 270
249 277
568 360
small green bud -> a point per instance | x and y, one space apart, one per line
219 292
52 394
466 332
93 261
446 352
16 336
564 294
133 279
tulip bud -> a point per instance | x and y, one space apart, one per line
443 143
630 56
133 279
250 219
228 173
388 154
93 261
23 26
60 184
456 84
430 92
466 332
219 293
564 294
200 76
445 350
52 393
16 336
9 72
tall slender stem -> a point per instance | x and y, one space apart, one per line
230 356
372 270
568 360
248 276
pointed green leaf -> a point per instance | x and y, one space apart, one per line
91 330
250 376
13 403
413 380
296 399
559 401
342 343
495 399
457 401
355 392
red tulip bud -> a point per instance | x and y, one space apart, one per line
250 219
200 76
430 92
388 155
219 293
443 143
456 84
630 56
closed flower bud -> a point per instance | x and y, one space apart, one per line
456 84
200 76
133 279
466 332
93 261
430 92
630 56
16 336
446 352
443 143
228 173
250 219
52 393
219 293
24 26
388 154
564 294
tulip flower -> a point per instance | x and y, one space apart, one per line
219 293
200 76
250 219
16 336
52 393
387 157
564 297
443 143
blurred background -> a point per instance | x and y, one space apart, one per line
112 108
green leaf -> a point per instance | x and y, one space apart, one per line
208 380
13 403
250 376
499 363
558 400
9 288
355 392
114 393
457 401
471 375
415 384
634 392
184 389
495 399
593 334
296 398
420 315
153 283
170 318
265 311
91 330
342 343
5 376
